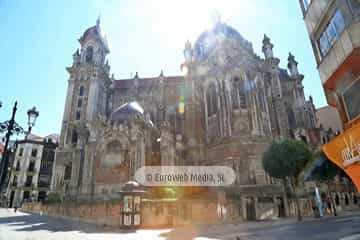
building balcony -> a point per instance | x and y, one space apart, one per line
44 184
45 189
29 187
315 12
31 172
343 56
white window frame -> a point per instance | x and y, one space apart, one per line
343 99
331 38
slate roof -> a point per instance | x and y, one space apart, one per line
126 111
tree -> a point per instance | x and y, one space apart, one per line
53 197
325 171
286 159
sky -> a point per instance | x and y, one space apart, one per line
38 38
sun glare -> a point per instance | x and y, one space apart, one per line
185 19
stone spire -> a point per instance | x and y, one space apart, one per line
98 21
76 58
136 78
292 65
107 67
267 47
161 78
188 52
215 17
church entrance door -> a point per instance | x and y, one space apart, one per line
250 209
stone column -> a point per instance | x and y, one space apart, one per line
228 108
167 146
92 99
254 114
83 133
67 112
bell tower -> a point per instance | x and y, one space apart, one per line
86 105
88 83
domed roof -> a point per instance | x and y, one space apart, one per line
126 111
207 41
132 187
95 31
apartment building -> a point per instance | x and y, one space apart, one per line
31 170
334 31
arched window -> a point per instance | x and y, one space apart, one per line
78 115
242 94
211 99
89 54
234 93
74 137
291 118
67 174
261 99
208 101
81 91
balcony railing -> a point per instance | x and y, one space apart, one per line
43 185
29 185
31 172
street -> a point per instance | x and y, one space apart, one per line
23 226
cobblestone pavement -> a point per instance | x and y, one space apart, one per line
23 226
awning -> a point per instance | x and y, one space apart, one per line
344 151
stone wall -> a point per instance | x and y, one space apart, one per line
163 213
188 212
305 207
155 213
99 213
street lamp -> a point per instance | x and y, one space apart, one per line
11 127
32 115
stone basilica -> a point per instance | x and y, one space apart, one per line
225 110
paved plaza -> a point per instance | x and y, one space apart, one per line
23 226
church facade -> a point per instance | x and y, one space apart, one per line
224 110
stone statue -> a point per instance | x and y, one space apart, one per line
267 47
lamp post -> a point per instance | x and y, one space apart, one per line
32 115
11 127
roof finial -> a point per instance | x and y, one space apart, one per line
98 20
292 65
216 17
267 47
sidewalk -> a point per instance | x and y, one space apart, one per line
253 225
213 228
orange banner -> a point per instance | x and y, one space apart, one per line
344 151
